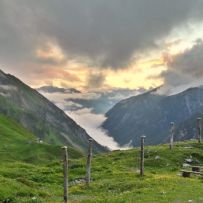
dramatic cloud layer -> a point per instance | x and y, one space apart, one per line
185 69
108 32
98 45
77 43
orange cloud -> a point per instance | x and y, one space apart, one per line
58 73
50 52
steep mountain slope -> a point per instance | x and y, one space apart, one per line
39 115
18 144
151 114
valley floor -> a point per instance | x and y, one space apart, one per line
115 178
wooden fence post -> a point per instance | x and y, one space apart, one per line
172 128
142 156
88 165
65 173
199 129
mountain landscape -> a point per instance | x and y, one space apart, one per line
30 151
87 108
151 113
101 101
31 171
33 111
52 89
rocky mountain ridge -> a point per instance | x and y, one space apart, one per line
151 114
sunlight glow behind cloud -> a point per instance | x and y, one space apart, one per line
96 44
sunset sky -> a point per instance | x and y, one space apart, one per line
102 44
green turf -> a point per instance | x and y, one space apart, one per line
32 172
18 144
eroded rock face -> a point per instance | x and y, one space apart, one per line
39 115
151 114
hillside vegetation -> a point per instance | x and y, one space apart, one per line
32 172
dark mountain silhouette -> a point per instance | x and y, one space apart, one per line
151 114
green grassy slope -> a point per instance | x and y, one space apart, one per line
24 163
115 178
18 144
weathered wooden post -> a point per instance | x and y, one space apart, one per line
65 173
199 129
142 156
88 165
172 130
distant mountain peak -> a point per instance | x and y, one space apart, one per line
54 89
151 114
